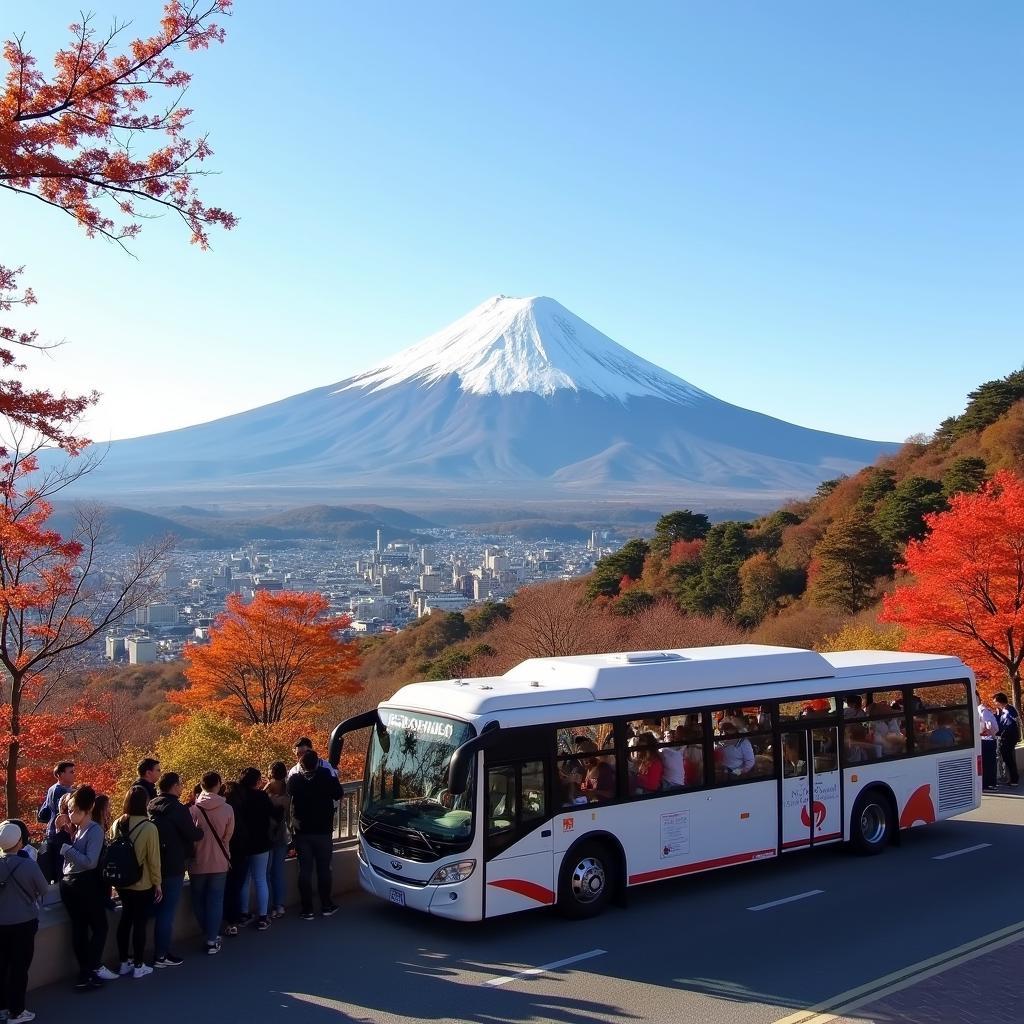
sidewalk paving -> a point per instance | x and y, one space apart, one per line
986 990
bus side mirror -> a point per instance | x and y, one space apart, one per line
458 767
337 741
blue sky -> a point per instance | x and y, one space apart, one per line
812 210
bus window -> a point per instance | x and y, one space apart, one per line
743 744
942 718
586 763
666 754
534 805
853 705
501 799
807 707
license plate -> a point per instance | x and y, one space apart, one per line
398 897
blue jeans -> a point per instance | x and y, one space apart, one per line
275 874
256 874
208 902
163 913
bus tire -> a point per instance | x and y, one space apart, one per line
873 823
587 880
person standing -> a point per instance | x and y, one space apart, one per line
138 898
1009 735
149 774
22 888
82 890
277 789
178 836
313 791
259 815
50 862
209 869
299 748
988 727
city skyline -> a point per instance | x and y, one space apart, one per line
794 217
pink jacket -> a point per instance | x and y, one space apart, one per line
212 856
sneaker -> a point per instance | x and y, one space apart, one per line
263 924
213 948
89 985
125 968
170 960
142 970
231 929
329 911
307 915
23 1018
245 920
105 974
277 912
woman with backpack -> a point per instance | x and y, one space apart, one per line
133 866
280 835
82 889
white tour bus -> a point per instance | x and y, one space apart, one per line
567 780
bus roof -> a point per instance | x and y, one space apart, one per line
596 677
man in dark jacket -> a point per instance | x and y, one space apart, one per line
313 791
149 773
178 835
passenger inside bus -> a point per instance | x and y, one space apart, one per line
794 758
853 706
646 777
857 745
943 735
599 781
734 756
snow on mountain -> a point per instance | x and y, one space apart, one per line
509 345
519 398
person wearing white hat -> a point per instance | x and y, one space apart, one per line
22 888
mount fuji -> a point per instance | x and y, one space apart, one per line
519 397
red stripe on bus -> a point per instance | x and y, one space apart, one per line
704 865
806 842
531 890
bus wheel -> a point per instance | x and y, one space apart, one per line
872 825
586 882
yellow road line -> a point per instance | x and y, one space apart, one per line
835 1006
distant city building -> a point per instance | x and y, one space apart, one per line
428 603
430 582
426 556
161 615
141 650
173 578
115 648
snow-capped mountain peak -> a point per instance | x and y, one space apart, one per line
508 345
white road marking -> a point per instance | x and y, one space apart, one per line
788 899
957 853
546 967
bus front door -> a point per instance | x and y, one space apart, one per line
811 791
518 846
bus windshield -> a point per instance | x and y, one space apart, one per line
407 777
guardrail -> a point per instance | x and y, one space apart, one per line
346 820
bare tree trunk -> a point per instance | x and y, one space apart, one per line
13 749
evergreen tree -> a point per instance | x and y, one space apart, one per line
633 601
964 476
716 585
880 482
900 514
989 401
680 525
762 584
849 559
608 572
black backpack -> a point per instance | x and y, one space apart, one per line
122 867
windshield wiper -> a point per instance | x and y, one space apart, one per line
423 836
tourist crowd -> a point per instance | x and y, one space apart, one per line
230 838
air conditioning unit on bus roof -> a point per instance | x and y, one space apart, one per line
647 657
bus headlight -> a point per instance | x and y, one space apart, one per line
457 872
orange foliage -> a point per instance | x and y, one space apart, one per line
684 551
63 139
966 596
275 660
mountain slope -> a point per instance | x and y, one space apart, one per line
520 392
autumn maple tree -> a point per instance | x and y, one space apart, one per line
102 138
276 659
966 591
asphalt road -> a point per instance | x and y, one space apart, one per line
691 949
